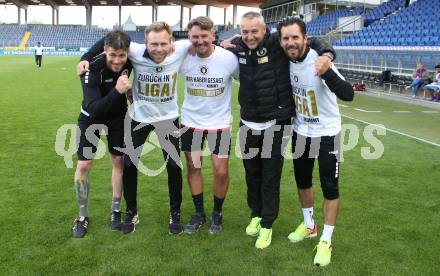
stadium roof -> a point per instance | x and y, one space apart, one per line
185 3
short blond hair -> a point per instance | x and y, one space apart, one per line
157 27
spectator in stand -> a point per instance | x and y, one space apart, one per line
434 87
419 76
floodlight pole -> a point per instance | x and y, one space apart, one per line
55 8
154 17
120 11
20 5
224 16
234 15
152 13
89 16
181 17
88 12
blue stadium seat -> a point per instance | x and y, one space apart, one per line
404 27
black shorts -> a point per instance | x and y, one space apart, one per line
219 141
327 149
87 147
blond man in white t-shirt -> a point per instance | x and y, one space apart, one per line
154 108
206 115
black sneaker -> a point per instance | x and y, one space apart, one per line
116 221
216 223
130 221
196 221
79 229
175 227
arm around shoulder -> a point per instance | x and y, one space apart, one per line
322 47
337 85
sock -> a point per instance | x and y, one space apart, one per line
218 204
327 233
82 193
308 217
198 203
116 203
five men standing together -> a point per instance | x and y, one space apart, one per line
277 72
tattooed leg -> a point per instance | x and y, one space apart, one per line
81 185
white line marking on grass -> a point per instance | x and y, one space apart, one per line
343 105
401 111
395 131
430 111
367 111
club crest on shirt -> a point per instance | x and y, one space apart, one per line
262 60
124 72
262 52
204 70
159 69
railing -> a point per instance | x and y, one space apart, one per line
376 69
338 32
401 61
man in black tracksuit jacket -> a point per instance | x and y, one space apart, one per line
104 106
266 109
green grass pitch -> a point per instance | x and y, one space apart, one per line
389 220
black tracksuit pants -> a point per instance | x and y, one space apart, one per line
262 153
167 133
38 59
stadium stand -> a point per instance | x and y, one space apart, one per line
396 43
226 34
392 41
416 25
382 11
394 38
69 36
328 21
136 36
11 35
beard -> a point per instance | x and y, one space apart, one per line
299 48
